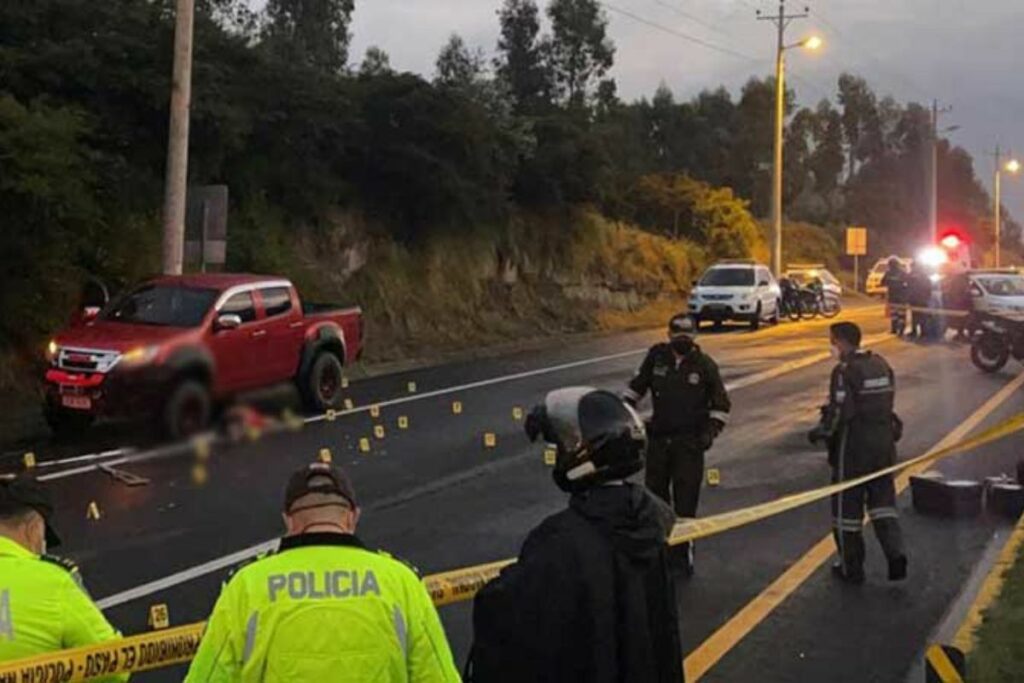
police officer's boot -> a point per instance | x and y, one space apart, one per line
681 559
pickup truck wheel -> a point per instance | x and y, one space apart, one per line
66 423
321 387
187 410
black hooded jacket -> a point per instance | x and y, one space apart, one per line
591 598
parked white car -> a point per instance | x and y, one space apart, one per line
736 290
997 292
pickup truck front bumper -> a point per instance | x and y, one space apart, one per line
119 393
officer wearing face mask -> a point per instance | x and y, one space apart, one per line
43 605
691 408
860 429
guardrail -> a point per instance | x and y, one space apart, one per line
178 645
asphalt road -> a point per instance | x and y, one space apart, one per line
436 496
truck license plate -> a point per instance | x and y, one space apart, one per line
76 402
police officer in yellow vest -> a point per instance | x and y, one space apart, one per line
323 607
43 605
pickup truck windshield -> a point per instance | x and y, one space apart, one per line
165 306
728 277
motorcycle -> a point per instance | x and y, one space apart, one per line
813 301
791 306
1000 338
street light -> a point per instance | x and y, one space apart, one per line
1013 167
809 43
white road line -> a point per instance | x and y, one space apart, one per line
85 458
222 563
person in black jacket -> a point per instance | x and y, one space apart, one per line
895 283
919 295
591 598
691 408
860 429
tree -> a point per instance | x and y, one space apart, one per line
860 118
310 32
522 61
581 51
375 63
458 66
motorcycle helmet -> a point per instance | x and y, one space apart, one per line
597 437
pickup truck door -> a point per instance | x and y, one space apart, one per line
240 353
284 325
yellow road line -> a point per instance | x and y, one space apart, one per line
939 660
990 590
711 651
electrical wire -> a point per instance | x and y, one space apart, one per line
695 19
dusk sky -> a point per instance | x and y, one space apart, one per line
966 54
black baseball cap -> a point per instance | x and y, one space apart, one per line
681 326
301 484
20 493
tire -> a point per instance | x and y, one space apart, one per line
989 353
66 424
188 409
321 387
774 320
793 311
831 308
755 321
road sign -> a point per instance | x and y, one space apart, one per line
206 225
856 246
856 241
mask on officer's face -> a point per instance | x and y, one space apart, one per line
681 345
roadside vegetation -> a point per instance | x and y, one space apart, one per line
999 650
511 193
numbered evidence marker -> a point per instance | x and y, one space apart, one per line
378 431
714 477
403 422
374 411
412 387
364 445
325 455
29 460
517 413
93 511
331 415
349 405
490 440
344 382
457 407
159 617
201 448
550 454
199 474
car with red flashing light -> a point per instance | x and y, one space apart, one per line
176 347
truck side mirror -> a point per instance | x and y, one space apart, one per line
229 321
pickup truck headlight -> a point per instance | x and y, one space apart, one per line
139 356
51 351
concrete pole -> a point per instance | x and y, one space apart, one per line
176 178
998 209
780 115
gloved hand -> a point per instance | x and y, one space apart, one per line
821 432
711 432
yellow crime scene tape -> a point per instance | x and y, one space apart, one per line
178 645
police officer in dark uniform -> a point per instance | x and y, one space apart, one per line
691 408
861 429
919 295
895 283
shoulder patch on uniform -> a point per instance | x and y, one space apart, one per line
410 565
62 562
245 563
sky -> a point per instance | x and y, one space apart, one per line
965 53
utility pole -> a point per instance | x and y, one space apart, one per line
176 178
781 21
933 172
1011 166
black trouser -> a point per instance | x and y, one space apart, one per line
676 463
879 498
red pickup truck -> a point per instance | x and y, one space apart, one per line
177 346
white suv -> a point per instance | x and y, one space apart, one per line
736 290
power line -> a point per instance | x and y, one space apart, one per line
679 34
691 17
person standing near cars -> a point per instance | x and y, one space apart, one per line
895 283
691 408
860 429
919 296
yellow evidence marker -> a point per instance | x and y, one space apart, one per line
517 413
159 617
457 407
30 460
364 445
490 440
378 431
403 422
714 477
325 455
93 511
550 454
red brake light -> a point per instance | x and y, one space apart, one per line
950 241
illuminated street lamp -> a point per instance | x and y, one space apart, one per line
810 43
1013 167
